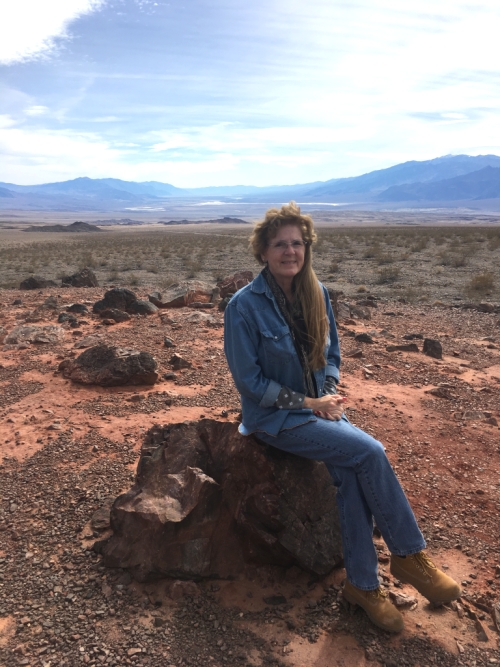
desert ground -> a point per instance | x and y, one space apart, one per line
68 449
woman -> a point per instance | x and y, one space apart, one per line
282 348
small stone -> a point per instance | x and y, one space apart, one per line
363 337
409 347
167 342
178 362
356 354
136 398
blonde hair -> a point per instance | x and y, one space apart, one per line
306 284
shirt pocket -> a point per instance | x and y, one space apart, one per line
278 345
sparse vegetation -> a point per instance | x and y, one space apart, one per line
482 283
438 262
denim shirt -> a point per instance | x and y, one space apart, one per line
262 358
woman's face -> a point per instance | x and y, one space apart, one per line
285 253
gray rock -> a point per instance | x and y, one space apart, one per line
66 317
77 308
118 297
115 314
363 337
100 519
155 298
409 347
178 362
142 307
167 342
36 282
110 367
360 312
433 348
84 278
208 501
27 334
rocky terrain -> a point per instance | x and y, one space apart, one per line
68 449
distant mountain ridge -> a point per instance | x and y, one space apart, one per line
482 184
447 178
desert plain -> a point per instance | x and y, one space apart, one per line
68 450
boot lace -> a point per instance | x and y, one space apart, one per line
424 562
378 593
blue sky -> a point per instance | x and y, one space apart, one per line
225 92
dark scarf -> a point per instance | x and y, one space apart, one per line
294 317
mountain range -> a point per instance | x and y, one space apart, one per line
446 180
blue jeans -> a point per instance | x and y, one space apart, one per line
367 489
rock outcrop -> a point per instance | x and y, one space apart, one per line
110 367
207 502
182 294
27 334
84 278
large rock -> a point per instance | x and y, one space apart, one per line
26 334
36 282
119 298
84 278
433 348
183 294
115 314
142 307
232 284
110 367
207 502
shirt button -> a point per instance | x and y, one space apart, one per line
276 338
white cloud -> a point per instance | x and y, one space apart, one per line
29 28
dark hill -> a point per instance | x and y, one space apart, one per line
482 184
77 226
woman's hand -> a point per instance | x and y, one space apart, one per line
328 406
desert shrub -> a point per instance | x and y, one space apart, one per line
372 252
334 267
134 280
384 258
388 275
361 289
482 282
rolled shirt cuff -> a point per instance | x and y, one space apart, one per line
333 372
271 394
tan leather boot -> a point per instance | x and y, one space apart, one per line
378 608
419 571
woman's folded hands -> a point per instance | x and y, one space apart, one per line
329 406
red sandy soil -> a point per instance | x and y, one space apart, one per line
448 465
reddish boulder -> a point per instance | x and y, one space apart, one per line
110 367
232 284
182 294
207 502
